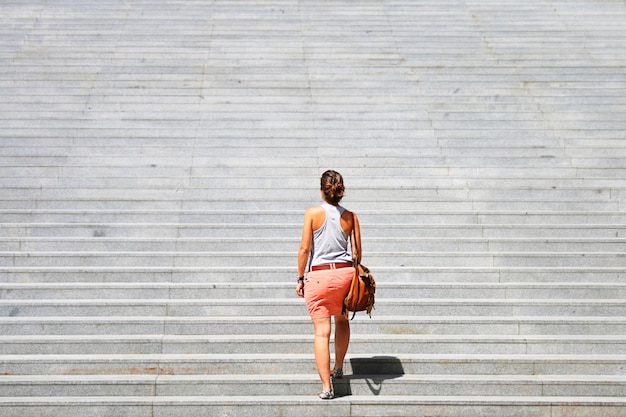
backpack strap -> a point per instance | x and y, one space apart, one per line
355 247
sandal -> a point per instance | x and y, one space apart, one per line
336 374
327 395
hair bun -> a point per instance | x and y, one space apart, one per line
332 185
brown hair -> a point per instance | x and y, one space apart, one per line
332 185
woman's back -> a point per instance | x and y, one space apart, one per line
330 241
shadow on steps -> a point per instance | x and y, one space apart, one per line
375 371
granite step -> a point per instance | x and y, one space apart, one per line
48 171
246 325
360 344
269 259
415 195
289 364
499 291
259 217
305 406
263 218
288 243
305 384
258 274
435 204
410 305
211 228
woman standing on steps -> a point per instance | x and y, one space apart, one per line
325 235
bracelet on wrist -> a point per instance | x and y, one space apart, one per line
300 279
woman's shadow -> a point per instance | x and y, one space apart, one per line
375 371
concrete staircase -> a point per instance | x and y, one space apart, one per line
156 159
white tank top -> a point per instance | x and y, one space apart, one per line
330 242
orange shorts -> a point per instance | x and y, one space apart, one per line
325 290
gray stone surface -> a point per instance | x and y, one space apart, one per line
156 159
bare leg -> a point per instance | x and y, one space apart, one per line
342 339
321 349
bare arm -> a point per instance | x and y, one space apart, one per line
305 248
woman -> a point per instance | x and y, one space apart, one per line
325 235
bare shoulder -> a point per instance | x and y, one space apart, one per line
314 209
315 216
314 212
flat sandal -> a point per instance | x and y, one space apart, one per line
327 395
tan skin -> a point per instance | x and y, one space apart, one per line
314 218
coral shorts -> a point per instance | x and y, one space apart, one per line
325 290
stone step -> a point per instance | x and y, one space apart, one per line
360 344
246 325
480 108
404 194
284 244
436 204
85 178
400 194
293 217
447 147
258 274
302 385
58 168
53 172
425 152
411 305
265 406
545 161
188 229
268 259
284 290
451 150
228 364
54 182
